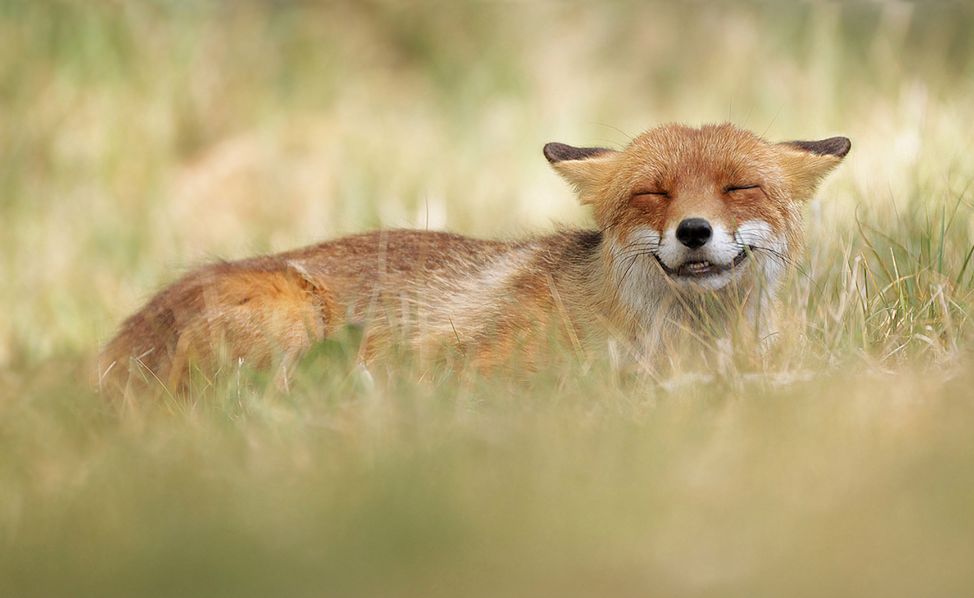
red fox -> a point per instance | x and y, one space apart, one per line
682 214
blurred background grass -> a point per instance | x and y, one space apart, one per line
140 138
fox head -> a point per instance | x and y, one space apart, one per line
701 207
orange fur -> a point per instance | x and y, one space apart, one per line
495 299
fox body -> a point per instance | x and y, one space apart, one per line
685 217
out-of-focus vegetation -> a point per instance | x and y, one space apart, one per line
140 138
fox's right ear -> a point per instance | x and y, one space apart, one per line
807 162
587 169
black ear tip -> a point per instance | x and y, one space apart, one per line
833 146
552 151
843 145
559 152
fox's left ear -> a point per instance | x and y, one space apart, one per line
807 162
587 169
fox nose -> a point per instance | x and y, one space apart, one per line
694 232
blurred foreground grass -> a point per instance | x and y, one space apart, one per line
140 138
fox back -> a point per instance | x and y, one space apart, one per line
686 217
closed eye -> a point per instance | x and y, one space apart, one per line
654 193
733 188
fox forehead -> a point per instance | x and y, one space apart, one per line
676 158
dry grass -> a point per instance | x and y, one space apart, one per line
140 138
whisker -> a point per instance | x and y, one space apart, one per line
636 253
778 256
640 244
632 263
772 252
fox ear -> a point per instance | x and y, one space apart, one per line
807 162
587 169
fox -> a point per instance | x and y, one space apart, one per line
684 216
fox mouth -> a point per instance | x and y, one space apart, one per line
697 269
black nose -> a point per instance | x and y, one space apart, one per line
694 232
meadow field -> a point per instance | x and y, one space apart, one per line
141 138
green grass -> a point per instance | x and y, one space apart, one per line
138 139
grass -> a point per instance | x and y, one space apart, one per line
140 138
